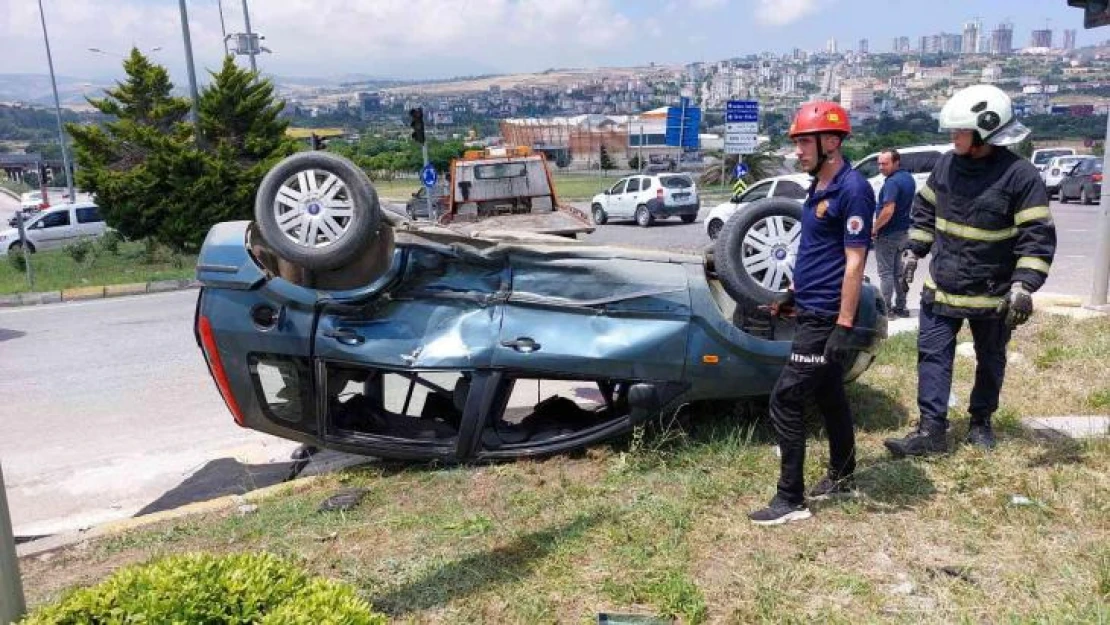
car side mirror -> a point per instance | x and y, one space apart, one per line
608 192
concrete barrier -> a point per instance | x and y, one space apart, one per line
134 288
82 292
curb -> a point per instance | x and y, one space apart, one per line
84 293
10 193
112 528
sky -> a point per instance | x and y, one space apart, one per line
419 39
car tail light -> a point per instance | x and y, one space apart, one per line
212 353
1096 177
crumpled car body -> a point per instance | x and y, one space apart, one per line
482 347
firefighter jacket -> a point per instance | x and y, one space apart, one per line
987 224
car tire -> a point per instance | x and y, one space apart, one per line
17 248
714 228
1063 198
770 226
643 216
1084 197
355 210
688 219
600 218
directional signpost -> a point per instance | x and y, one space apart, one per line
741 170
428 176
741 126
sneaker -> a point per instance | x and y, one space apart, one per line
780 512
830 487
899 312
921 442
982 436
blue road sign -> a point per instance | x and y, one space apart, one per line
428 176
741 111
741 170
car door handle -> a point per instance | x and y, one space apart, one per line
346 336
522 344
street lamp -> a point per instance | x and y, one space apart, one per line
57 106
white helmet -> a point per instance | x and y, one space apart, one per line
986 109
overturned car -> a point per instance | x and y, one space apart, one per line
328 321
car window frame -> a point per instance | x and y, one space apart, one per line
768 184
95 211
622 183
41 223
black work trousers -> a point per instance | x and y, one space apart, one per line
936 351
809 374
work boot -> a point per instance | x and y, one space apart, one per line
981 435
832 487
924 441
899 312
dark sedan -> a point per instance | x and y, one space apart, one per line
1083 182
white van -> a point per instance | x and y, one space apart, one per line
1041 157
919 160
56 227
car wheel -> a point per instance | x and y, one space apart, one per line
1084 197
1063 196
317 210
714 228
688 219
17 248
643 216
755 250
599 215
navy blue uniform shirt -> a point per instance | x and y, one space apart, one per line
899 188
836 217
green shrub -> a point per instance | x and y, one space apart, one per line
80 250
15 257
110 242
203 588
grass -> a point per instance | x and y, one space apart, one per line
57 269
655 525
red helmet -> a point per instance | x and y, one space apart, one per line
815 117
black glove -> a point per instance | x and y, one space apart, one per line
838 346
909 267
1017 306
782 305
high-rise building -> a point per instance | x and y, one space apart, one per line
903 44
970 44
935 44
923 44
856 95
1041 39
789 83
1002 39
951 43
1069 39
894 45
830 45
863 45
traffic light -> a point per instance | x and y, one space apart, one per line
416 121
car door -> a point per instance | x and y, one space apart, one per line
614 198
630 198
1069 186
90 224
53 230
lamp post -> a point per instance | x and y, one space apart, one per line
189 67
57 107
122 56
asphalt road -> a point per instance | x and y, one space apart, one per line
108 409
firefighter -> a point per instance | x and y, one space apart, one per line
983 214
828 277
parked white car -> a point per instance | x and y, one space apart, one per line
790 186
1041 157
646 198
919 160
56 227
1058 169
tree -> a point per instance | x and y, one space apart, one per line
634 163
153 178
606 161
115 158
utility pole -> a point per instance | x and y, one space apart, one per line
1102 241
57 107
12 605
190 68
223 30
250 36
